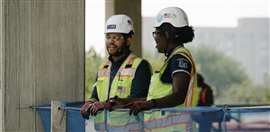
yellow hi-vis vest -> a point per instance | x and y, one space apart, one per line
159 121
196 95
120 86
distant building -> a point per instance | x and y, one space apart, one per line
248 43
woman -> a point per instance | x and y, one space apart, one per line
173 85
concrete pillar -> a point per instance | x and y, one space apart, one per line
133 9
41 58
1 68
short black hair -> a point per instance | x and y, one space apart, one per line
178 35
129 35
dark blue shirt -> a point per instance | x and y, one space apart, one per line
141 80
178 63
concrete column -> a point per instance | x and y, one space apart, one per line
41 59
131 8
1 68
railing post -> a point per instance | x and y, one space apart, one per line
58 117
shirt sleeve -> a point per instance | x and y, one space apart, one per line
141 81
94 92
179 63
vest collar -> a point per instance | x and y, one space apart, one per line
172 50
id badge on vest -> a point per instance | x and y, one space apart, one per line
121 89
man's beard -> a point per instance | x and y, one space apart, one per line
121 51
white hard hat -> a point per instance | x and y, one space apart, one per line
173 15
119 24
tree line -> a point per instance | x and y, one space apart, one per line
226 76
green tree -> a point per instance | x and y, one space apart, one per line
219 70
246 93
92 62
155 60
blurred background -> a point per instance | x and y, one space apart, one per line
51 49
231 45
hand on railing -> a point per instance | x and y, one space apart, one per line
138 106
85 109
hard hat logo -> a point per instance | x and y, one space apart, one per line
119 24
111 26
166 16
172 15
169 15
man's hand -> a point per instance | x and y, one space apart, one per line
123 102
119 102
98 106
138 106
85 109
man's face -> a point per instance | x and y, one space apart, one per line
115 43
160 41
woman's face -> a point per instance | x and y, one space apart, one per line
161 42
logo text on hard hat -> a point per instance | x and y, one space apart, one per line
169 15
166 16
111 26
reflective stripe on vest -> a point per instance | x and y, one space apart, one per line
120 86
158 89
196 96
122 81
160 122
157 121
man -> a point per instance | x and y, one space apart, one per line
122 74
173 85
